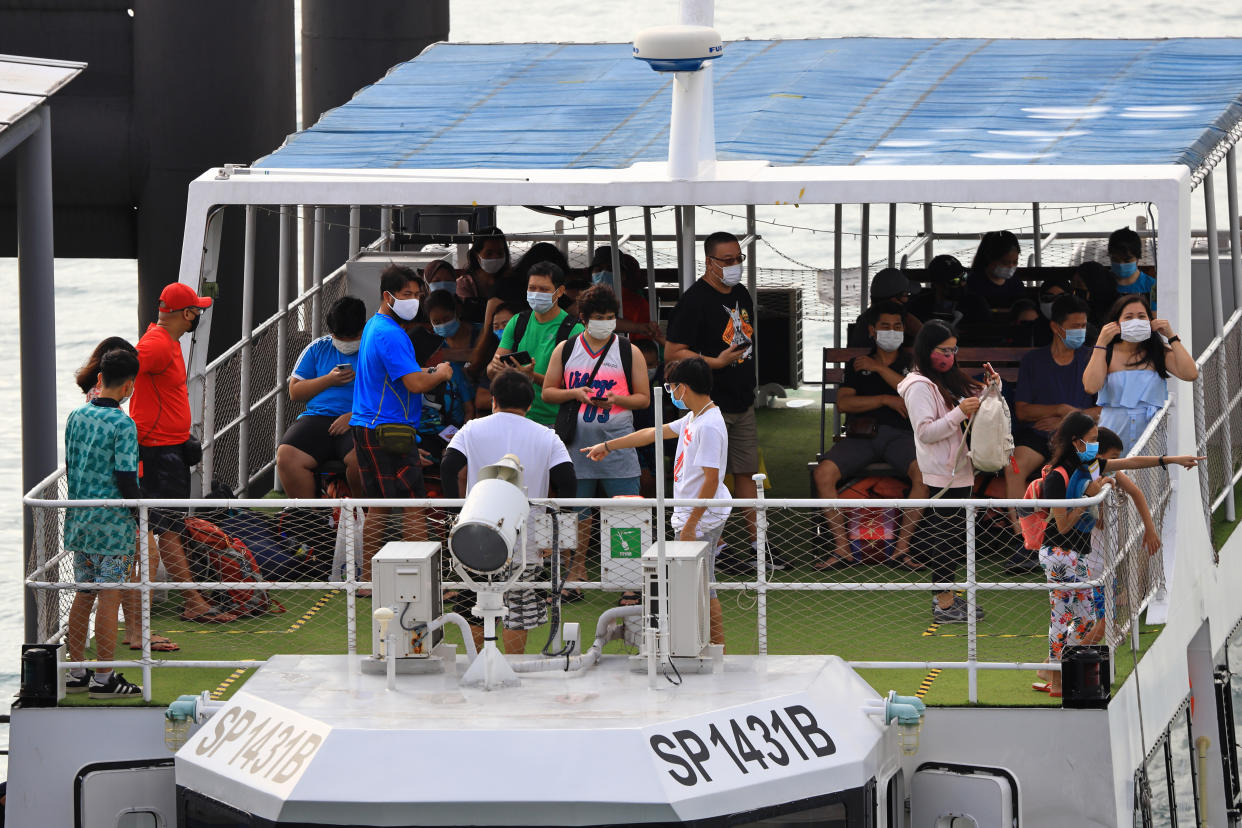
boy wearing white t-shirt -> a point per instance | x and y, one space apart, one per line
698 470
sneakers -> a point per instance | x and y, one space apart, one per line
114 686
79 685
955 613
1023 561
775 562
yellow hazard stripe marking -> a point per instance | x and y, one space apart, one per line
926 684
310 613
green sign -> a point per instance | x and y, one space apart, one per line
627 543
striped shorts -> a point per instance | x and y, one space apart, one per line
528 608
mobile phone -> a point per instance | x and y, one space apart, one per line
345 366
519 358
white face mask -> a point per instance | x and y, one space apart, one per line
1046 309
601 328
492 265
1005 273
1135 330
405 309
731 275
346 347
889 340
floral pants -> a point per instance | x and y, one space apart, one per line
1072 610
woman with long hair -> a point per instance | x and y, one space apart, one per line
1132 358
939 398
487 267
1067 542
993 271
87 377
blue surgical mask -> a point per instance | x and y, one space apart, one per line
1124 270
540 302
499 332
678 403
1092 450
1075 339
447 329
604 277
451 287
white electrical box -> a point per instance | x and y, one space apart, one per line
540 538
961 796
406 577
623 535
689 620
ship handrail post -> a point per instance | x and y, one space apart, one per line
317 267
1218 326
761 563
1235 224
144 595
972 601
285 249
351 587
247 332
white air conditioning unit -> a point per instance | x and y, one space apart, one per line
689 621
406 577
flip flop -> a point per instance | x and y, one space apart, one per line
630 598
1056 694
212 616
1041 687
164 646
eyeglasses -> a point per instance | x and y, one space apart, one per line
946 351
741 257
668 387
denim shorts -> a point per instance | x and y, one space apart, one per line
603 487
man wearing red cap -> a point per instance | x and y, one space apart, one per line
161 410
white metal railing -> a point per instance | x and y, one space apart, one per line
1218 419
775 611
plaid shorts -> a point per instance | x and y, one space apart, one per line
385 474
92 567
528 608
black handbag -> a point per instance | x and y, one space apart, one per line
567 415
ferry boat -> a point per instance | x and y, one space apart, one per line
383 722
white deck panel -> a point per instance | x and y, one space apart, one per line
14 106
553 751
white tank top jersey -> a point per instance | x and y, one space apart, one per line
595 424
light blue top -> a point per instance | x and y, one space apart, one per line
385 356
1128 401
1143 286
318 359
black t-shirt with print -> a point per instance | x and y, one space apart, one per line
1054 488
873 384
705 321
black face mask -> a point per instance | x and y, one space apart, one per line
194 324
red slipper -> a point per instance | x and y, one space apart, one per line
1041 687
1056 694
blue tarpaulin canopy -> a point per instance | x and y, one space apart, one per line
839 102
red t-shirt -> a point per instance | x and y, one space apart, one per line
161 404
635 308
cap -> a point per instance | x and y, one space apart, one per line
888 283
602 257
943 268
179 296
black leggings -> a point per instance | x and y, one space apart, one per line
941 537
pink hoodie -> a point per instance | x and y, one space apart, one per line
937 434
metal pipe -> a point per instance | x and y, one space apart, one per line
864 241
836 276
761 564
590 233
562 242
247 329
689 88
463 249
752 285
583 660
929 245
689 267
317 268
653 302
972 624
350 516
463 626
385 228
144 564
1218 321
661 636
355 230
282 327
892 235
36 277
616 260
1235 225
1037 250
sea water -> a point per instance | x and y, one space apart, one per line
98 298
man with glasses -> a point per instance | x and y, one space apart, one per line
160 408
714 320
947 299
889 285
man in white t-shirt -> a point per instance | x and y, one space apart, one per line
698 469
544 460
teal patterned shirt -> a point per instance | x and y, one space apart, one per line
99 441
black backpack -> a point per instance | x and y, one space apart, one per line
562 332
